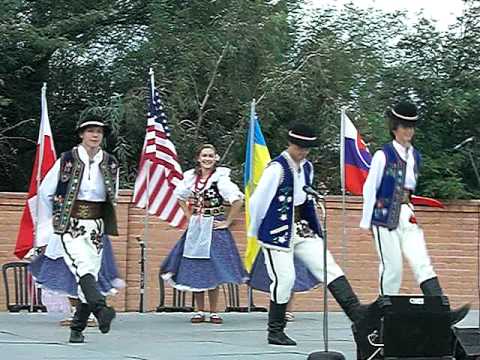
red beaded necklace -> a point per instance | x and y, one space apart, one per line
199 184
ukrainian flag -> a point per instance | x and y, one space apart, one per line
257 158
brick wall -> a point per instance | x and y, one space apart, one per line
451 233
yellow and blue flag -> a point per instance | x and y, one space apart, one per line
257 158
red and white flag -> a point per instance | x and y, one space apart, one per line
44 159
159 161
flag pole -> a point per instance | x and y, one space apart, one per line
144 272
251 140
342 177
44 110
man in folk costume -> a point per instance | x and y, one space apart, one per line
388 212
77 202
284 220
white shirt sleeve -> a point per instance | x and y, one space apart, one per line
182 190
228 189
370 188
263 195
46 191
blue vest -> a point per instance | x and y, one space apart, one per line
276 229
71 172
386 212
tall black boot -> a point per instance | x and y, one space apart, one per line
343 293
276 325
431 287
79 323
104 314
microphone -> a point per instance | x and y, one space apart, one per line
311 191
464 142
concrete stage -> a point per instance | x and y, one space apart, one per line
170 336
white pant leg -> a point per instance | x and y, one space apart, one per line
414 247
82 248
391 263
310 251
281 270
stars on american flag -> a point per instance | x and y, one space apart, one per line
157 112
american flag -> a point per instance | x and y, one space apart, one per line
160 156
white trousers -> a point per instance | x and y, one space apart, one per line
406 239
281 268
82 245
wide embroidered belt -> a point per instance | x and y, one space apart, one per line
214 211
87 209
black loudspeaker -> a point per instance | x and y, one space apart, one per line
466 343
416 327
367 334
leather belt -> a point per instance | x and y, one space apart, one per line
87 209
215 211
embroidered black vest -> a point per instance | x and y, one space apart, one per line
69 180
208 201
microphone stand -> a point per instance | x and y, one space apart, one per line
141 243
325 354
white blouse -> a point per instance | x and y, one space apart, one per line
229 191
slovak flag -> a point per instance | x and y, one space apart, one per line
355 157
44 159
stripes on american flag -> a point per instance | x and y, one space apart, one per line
159 155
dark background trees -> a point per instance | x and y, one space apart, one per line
211 58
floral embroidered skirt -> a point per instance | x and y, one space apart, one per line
223 267
259 279
54 274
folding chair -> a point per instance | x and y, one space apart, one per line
17 280
233 300
179 300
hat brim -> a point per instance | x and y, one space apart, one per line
402 121
303 143
86 125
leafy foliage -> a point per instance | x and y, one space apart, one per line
211 58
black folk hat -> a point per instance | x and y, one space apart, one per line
404 112
302 135
92 120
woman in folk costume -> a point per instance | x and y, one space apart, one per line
58 283
389 214
206 255
77 202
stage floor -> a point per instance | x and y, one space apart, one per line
167 336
